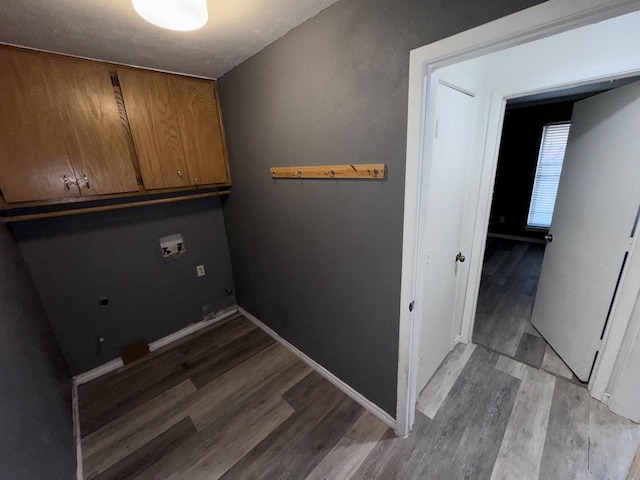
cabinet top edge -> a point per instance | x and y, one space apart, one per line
10 46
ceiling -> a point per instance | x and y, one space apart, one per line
570 94
111 30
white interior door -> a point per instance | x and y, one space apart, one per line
594 216
442 226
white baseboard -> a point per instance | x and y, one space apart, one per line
356 396
75 416
517 238
173 337
94 373
191 329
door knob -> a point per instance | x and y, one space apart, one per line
460 257
549 237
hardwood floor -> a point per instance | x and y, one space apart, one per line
508 287
231 403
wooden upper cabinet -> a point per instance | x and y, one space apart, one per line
34 162
73 128
177 129
154 125
201 130
96 135
61 134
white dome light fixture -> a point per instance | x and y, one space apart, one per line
180 15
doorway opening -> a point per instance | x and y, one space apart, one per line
534 135
534 300
543 64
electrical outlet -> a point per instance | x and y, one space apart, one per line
200 270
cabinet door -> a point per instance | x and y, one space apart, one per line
154 125
96 135
34 164
201 129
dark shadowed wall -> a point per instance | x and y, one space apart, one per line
517 162
36 433
319 260
76 260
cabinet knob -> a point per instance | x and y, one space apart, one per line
86 181
65 179
195 181
180 174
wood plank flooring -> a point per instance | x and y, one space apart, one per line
231 403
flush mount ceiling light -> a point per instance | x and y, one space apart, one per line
180 15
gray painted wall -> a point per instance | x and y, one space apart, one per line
319 260
36 434
76 260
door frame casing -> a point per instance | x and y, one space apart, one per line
555 16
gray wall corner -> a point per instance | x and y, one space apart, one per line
77 260
319 261
36 434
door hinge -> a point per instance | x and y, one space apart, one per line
411 305
630 244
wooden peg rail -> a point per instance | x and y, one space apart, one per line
363 171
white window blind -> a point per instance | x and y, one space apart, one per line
545 186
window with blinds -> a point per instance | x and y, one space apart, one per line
545 186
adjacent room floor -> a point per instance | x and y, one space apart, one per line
508 287
231 403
